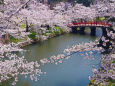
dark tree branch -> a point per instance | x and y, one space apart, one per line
19 9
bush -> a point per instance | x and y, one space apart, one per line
100 19
113 62
33 35
22 25
13 39
58 30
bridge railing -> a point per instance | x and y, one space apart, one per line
106 24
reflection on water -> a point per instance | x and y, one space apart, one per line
54 46
72 72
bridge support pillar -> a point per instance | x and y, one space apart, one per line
93 31
74 29
82 30
104 32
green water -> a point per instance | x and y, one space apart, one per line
72 72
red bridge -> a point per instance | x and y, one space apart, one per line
96 24
79 27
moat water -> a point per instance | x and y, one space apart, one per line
74 71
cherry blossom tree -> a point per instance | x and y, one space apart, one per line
104 8
35 15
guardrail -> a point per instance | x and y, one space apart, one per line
104 24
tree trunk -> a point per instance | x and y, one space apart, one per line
27 27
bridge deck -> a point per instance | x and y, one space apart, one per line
96 24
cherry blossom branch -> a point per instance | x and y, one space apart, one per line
19 9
